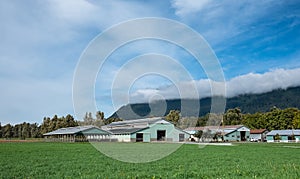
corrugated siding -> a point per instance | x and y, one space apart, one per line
172 134
146 137
270 139
284 132
256 136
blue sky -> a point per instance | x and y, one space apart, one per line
256 42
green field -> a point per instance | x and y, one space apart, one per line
82 160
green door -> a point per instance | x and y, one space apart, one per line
146 137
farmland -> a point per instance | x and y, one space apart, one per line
82 160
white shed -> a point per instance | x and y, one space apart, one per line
258 135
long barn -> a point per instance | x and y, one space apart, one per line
288 135
139 130
78 134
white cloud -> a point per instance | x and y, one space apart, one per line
41 43
221 21
185 7
133 74
39 48
260 83
79 11
245 84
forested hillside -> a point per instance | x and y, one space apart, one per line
248 103
278 109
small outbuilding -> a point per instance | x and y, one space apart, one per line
289 135
145 130
221 133
78 134
258 135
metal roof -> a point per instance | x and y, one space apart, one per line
135 121
132 126
227 129
202 128
287 132
73 130
125 130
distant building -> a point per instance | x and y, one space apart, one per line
78 134
145 130
258 135
229 133
289 135
139 130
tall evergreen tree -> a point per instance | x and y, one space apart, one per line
35 130
70 121
0 130
25 130
7 131
99 115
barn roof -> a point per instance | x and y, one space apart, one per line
227 127
125 130
135 121
131 126
75 130
257 131
288 132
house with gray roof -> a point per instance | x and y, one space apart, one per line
222 133
288 135
258 135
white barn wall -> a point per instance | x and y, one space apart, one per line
256 136
121 137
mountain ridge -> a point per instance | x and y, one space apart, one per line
248 103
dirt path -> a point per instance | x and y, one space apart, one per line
18 140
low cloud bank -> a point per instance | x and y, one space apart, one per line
252 83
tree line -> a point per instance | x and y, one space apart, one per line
22 131
274 119
99 121
34 130
27 130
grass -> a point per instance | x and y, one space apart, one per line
82 160
138 152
